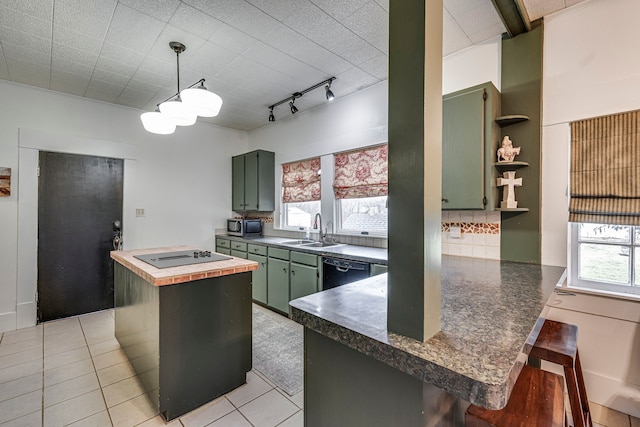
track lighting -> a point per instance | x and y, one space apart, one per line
291 99
183 108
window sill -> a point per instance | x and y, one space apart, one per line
598 293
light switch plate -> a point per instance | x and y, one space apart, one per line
455 232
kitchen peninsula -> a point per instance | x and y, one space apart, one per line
185 329
369 376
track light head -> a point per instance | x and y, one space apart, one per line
328 93
294 109
272 118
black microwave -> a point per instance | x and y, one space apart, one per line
244 227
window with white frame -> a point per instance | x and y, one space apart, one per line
300 192
604 204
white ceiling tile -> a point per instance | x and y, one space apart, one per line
232 39
41 9
284 39
159 68
29 41
384 4
570 3
74 84
240 70
103 91
65 53
453 37
162 51
354 77
133 30
35 57
339 9
159 9
278 9
121 54
320 58
210 59
239 14
68 37
111 78
135 98
371 22
28 73
377 67
538 8
4 71
26 23
117 67
195 22
72 67
87 17
292 67
142 86
161 80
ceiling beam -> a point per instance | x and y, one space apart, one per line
513 15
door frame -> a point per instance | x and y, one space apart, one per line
30 143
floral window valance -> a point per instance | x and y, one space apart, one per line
605 170
361 173
301 181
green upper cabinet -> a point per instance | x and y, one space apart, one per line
253 176
469 142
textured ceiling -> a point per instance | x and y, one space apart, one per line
253 53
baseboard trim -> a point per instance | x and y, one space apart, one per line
612 393
8 321
26 315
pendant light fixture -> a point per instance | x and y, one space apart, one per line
292 99
183 108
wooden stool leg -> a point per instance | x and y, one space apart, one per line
583 393
574 396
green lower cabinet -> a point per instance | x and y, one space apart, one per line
378 269
304 280
278 284
259 280
239 254
223 251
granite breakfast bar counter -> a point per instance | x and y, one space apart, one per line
368 376
186 329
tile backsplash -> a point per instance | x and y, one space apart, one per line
479 235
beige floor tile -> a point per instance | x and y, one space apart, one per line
63 325
207 413
124 390
69 389
63 336
103 316
23 334
254 387
55 348
132 412
30 420
66 358
297 399
269 409
75 409
111 358
67 372
104 347
20 406
19 346
20 386
264 377
158 421
98 336
608 417
635 422
115 373
297 420
21 357
101 419
20 371
234 419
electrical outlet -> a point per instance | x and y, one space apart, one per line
455 232
139 212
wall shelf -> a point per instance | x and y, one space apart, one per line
511 119
513 210
513 165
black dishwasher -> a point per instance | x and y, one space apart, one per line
337 272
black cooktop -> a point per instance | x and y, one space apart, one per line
179 258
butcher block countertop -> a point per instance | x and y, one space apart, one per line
174 275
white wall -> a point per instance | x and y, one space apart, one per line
591 68
183 181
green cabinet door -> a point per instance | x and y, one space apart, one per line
251 181
278 284
463 150
378 269
304 280
259 280
237 189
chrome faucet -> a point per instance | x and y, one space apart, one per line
318 225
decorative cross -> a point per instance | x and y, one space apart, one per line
509 192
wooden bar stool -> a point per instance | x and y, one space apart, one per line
537 400
558 343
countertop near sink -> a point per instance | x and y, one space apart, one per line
351 252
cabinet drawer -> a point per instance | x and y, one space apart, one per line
223 251
278 253
257 249
223 243
304 258
239 254
239 246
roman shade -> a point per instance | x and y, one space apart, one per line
605 170
361 173
301 181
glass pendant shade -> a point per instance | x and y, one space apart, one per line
178 112
156 122
203 102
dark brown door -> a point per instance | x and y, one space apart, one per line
79 198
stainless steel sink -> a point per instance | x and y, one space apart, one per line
320 245
296 242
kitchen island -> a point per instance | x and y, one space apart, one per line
187 329
368 376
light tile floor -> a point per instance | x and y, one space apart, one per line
73 372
